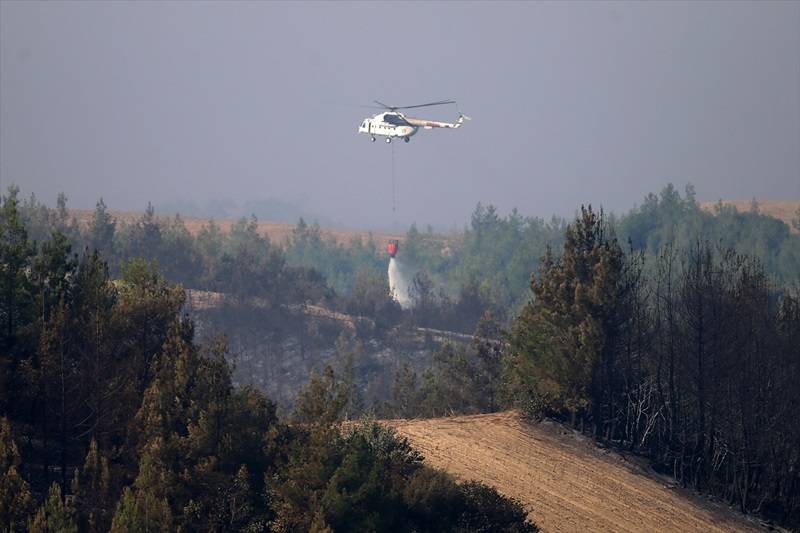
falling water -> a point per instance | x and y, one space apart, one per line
398 283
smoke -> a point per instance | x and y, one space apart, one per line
399 283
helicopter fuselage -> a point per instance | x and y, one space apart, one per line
393 124
388 125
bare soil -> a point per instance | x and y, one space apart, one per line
564 481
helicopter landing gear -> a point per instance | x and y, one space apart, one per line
406 139
388 139
373 139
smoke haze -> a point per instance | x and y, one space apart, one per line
574 102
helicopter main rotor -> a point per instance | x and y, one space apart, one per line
395 108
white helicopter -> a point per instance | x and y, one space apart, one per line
392 123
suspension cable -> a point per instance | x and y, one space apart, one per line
394 194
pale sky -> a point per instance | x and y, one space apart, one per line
571 103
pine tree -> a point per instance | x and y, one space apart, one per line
179 258
16 502
196 434
93 494
17 307
146 239
102 375
404 394
62 222
60 388
236 506
54 516
100 235
141 511
147 305
210 242
323 401
455 387
51 273
568 334
487 343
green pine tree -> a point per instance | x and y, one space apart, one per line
16 502
17 307
54 516
100 234
565 340
141 511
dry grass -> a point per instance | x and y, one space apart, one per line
564 481
785 210
276 231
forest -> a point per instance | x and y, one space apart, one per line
488 265
114 418
667 331
690 357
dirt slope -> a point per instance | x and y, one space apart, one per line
565 482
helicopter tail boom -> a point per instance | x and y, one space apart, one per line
430 124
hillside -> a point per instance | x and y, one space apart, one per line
276 231
563 480
784 210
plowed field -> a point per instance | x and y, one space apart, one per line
565 482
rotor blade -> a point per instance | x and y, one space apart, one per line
384 105
442 102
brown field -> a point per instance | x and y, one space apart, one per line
784 210
277 232
564 481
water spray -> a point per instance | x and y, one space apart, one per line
398 282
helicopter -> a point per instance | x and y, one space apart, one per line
394 124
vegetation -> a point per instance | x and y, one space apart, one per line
669 220
486 268
692 361
114 418
669 331
696 365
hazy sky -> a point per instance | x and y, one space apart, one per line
571 102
